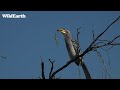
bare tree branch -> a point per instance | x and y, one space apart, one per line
78 32
112 43
43 75
61 68
115 38
105 30
90 46
52 63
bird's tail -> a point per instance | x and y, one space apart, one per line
84 67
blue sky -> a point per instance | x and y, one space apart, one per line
24 41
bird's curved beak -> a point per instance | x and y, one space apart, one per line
61 30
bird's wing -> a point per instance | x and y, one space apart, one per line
76 46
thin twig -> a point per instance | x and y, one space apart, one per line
104 66
78 32
61 68
43 75
52 63
93 35
79 72
106 44
115 38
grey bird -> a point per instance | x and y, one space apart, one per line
73 49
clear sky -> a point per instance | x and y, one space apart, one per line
24 41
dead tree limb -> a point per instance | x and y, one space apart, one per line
90 46
51 70
61 68
42 65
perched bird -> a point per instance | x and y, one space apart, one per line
73 49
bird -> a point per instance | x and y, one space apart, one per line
73 49
4 57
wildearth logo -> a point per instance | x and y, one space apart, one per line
13 16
